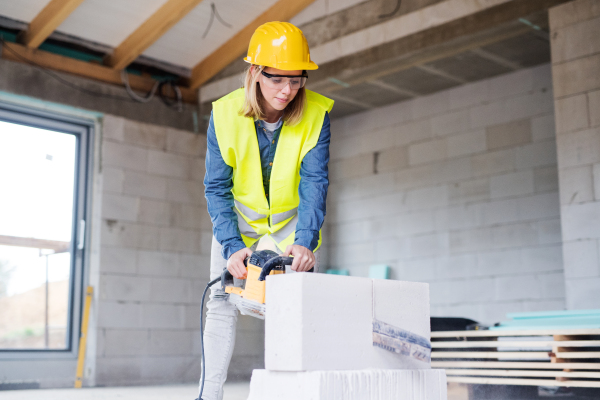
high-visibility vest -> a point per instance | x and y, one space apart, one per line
238 143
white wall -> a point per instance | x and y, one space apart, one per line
575 27
463 195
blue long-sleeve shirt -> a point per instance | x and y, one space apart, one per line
312 191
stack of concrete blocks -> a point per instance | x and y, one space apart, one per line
319 334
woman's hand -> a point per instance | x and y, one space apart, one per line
235 264
304 259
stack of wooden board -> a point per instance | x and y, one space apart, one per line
534 357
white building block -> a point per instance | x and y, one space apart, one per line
349 385
317 322
325 322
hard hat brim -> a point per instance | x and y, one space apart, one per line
288 66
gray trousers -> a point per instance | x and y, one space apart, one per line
219 333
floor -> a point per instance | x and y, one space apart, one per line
233 391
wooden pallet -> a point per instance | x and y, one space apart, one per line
547 357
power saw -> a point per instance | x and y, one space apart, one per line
250 299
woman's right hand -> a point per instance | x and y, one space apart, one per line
235 264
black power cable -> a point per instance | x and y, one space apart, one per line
202 334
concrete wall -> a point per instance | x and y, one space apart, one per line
154 254
575 33
458 189
154 258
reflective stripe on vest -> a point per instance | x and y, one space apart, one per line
239 148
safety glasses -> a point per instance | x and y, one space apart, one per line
280 81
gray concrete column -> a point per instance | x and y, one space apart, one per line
575 39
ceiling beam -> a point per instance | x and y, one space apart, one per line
349 100
47 21
497 59
393 88
235 47
442 74
150 31
44 59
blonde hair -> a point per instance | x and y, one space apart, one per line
254 101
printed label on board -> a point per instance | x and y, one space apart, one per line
401 341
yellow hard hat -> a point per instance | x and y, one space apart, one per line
279 45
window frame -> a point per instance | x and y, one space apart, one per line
83 129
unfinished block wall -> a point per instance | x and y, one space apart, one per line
458 189
154 254
154 258
575 33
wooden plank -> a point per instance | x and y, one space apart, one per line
19 53
525 344
48 20
523 382
532 332
514 364
513 372
491 354
514 354
578 354
151 30
235 47
56 245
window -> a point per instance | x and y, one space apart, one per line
43 190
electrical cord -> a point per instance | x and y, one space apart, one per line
178 102
214 13
202 334
133 97
382 16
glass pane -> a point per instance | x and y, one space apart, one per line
37 175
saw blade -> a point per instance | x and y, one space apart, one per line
248 307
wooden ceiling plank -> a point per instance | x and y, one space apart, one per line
19 53
48 20
235 47
150 31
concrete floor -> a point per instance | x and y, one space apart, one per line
233 391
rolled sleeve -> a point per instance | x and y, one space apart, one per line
218 183
314 183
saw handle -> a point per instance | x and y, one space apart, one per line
275 262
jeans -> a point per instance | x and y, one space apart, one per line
219 333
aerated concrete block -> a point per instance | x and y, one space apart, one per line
349 385
318 322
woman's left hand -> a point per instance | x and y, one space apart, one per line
304 259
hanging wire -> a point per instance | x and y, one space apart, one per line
134 95
59 78
214 13
178 102
393 12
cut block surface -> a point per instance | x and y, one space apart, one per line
429 384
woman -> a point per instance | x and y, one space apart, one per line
266 175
